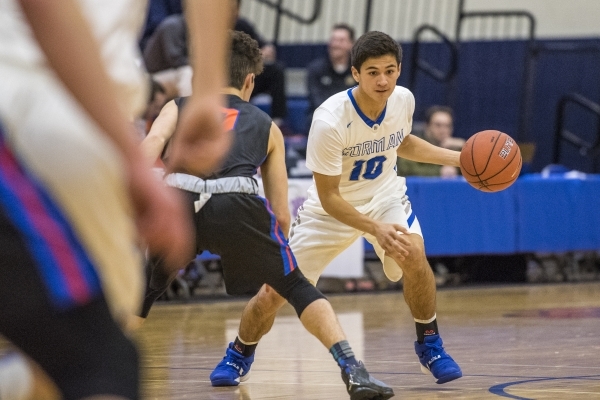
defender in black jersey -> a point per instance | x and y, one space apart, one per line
250 232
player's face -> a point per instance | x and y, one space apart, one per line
377 77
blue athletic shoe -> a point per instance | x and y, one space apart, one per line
436 361
233 369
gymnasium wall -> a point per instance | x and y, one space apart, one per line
399 18
488 90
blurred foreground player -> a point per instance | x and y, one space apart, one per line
76 194
246 230
354 140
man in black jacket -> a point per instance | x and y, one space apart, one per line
272 79
330 75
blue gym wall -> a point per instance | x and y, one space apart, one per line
489 89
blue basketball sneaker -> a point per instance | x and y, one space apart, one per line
362 386
233 369
436 361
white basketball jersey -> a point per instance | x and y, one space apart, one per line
344 141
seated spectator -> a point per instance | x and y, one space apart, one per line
438 131
272 80
158 10
331 74
166 56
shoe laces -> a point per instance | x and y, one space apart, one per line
232 355
348 368
431 351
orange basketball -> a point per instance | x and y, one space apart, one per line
490 161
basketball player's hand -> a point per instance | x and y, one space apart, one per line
453 143
392 241
161 218
448 171
200 143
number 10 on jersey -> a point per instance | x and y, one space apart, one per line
372 168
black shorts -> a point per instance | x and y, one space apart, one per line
77 343
243 230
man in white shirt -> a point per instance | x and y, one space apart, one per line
354 140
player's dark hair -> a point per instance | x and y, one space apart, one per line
436 109
345 27
374 44
244 58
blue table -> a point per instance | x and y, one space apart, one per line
457 219
536 214
557 214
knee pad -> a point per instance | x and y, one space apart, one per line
301 294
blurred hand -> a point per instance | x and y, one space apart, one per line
453 143
269 54
389 238
200 143
161 218
448 171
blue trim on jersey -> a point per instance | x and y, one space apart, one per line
411 219
367 120
65 287
289 261
86 267
37 246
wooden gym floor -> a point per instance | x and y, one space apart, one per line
517 342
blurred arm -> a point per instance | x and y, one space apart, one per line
201 143
207 22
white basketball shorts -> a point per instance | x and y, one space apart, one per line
316 239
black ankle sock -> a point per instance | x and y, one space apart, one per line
342 351
244 349
426 330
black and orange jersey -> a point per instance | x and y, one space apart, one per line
251 139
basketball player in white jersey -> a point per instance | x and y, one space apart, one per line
354 140
76 195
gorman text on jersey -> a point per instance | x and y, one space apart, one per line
374 146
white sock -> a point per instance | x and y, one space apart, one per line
16 378
425 321
240 339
